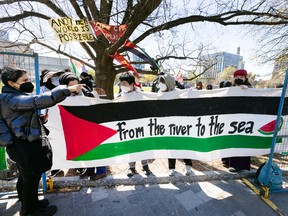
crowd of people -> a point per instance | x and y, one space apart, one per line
27 137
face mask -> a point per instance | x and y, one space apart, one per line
55 81
239 81
162 87
27 87
125 89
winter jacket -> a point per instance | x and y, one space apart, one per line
19 111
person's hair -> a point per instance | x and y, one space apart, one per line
67 77
179 85
90 76
227 84
128 77
11 74
43 73
221 84
200 84
209 87
84 74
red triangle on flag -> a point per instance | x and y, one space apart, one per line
81 135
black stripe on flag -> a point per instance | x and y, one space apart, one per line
101 113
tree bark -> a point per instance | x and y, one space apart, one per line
105 76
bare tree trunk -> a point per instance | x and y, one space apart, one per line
105 76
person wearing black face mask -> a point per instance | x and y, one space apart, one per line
240 79
26 87
24 135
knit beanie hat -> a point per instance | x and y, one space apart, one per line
240 72
66 77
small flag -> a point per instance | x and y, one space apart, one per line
129 46
179 76
76 66
125 63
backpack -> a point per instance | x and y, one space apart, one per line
275 174
6 137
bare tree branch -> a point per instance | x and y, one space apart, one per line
93 9
77 9
200 74
25 14
220 18
105 11
62 53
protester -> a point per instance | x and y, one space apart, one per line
70 79
199 85
179 85
221 84
236 164
227 84
28 143
155 83
166 84
240 79
209 87
48 81
127 86
86 80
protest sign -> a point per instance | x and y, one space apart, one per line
68 30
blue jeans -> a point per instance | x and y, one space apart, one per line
99 170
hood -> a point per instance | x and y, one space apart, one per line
169 80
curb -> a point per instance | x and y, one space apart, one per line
141 179
110 181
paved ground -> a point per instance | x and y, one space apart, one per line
215 192
204 198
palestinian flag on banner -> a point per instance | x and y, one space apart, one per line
129 46
77 67
125 63
181 124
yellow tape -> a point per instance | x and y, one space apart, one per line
266 200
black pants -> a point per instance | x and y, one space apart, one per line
172 163
28 180
238 163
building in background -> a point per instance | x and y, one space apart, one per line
215 63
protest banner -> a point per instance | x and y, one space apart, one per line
68 30
201 125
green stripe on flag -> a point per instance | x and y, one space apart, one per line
74 69
176 143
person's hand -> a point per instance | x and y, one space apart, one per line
43 118
76 88
244 87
